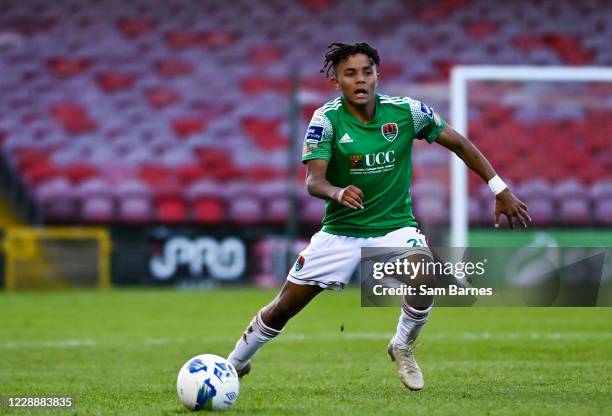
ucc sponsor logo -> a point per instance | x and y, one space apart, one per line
373 162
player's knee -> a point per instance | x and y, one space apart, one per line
423 281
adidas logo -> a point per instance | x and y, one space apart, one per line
346 139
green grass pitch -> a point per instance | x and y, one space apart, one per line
118 352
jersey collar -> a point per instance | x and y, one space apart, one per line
356 120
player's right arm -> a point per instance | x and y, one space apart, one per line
319 186
316 153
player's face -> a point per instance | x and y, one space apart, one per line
357 79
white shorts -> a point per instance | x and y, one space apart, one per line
330 260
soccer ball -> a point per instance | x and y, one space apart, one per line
207 381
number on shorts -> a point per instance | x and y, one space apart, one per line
416 242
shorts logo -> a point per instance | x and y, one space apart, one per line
314 134
299 263
356 161
389 131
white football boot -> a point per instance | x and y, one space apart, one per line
408 369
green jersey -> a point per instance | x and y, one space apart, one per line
375 157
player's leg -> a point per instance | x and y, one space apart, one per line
269 322
415 309
413 316
291 299
327 262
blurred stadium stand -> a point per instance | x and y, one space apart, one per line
177 111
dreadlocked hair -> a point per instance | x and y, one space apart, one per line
338 52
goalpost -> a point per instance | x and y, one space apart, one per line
56 258
460 76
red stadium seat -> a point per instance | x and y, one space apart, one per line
169 68
154 174
80 171
162 97
216 39
134 27
264 133
172 210
264 55
186 126
112 81
74 118
42 172
208 211
480 29
190 173
182 39
64 67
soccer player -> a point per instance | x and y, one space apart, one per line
358 151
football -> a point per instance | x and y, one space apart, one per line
208 382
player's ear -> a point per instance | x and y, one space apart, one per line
334 82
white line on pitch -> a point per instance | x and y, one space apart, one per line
67 343
299 337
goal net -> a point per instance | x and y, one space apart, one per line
56 258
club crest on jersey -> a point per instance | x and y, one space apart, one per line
299 263
389 131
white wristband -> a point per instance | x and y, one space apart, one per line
497 185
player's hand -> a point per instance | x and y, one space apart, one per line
351 197
513 208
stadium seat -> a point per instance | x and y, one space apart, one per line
64 67
74 118
160 97
601 190
112 81
532 189
431 210
575 211
150 112
79 172
541 210
475 211
603 211
313 210
277 210
568 189
134 27
208 211
98 210
41 172
171 210
245 210
134 210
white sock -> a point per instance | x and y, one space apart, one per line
411 321
254 337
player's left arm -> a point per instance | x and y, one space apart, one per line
505 201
